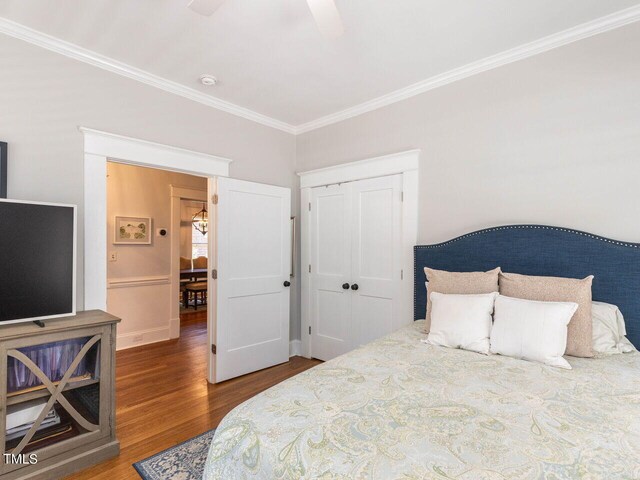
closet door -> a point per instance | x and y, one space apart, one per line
330 271
376 257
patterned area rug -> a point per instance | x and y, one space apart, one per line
185 461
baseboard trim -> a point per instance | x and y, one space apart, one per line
295 348
174 328
143 337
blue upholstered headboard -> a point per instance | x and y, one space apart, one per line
542 250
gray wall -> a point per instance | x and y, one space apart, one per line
45 96
553 139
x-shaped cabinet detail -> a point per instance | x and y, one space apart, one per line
55 391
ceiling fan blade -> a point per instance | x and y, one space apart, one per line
327 17
205 7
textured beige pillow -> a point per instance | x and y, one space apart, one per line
557 289
460 283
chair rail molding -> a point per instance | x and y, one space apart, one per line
127 282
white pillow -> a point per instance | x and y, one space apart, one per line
532 330
609 330
461 321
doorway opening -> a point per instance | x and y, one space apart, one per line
149 222
249 251
194 256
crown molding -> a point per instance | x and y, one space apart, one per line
573 34
76 52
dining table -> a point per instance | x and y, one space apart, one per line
193 273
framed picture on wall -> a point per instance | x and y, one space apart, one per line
3 169
132 231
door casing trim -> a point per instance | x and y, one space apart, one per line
100 147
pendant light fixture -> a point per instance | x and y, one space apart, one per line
201 220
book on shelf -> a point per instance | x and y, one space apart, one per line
50 420
21 417
78 378
46 436
53 359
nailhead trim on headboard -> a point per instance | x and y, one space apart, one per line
512 227
542 227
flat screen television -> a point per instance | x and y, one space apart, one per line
37 261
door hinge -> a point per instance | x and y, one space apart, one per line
309 206
401 274
214 274
214 198
402 196
213 349
309 329
309 268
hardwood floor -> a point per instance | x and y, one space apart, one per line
163 397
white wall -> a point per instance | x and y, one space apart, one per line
187 211
554 139
143 192
45 96
139 280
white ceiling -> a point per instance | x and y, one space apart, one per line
270 58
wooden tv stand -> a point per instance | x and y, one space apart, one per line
81 431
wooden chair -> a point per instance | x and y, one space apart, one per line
200 262
194 289
185 263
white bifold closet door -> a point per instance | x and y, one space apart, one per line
356 270
330 270
251 317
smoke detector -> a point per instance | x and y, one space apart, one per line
208 80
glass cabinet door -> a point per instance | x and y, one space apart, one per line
53 393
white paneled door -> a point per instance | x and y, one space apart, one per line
376 257
251 316
356 263
331 270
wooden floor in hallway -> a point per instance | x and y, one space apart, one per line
163 397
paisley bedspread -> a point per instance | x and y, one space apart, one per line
400 409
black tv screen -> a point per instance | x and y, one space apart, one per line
37 260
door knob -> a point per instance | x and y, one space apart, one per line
345 286
287 283
354 286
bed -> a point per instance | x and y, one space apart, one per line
401 409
